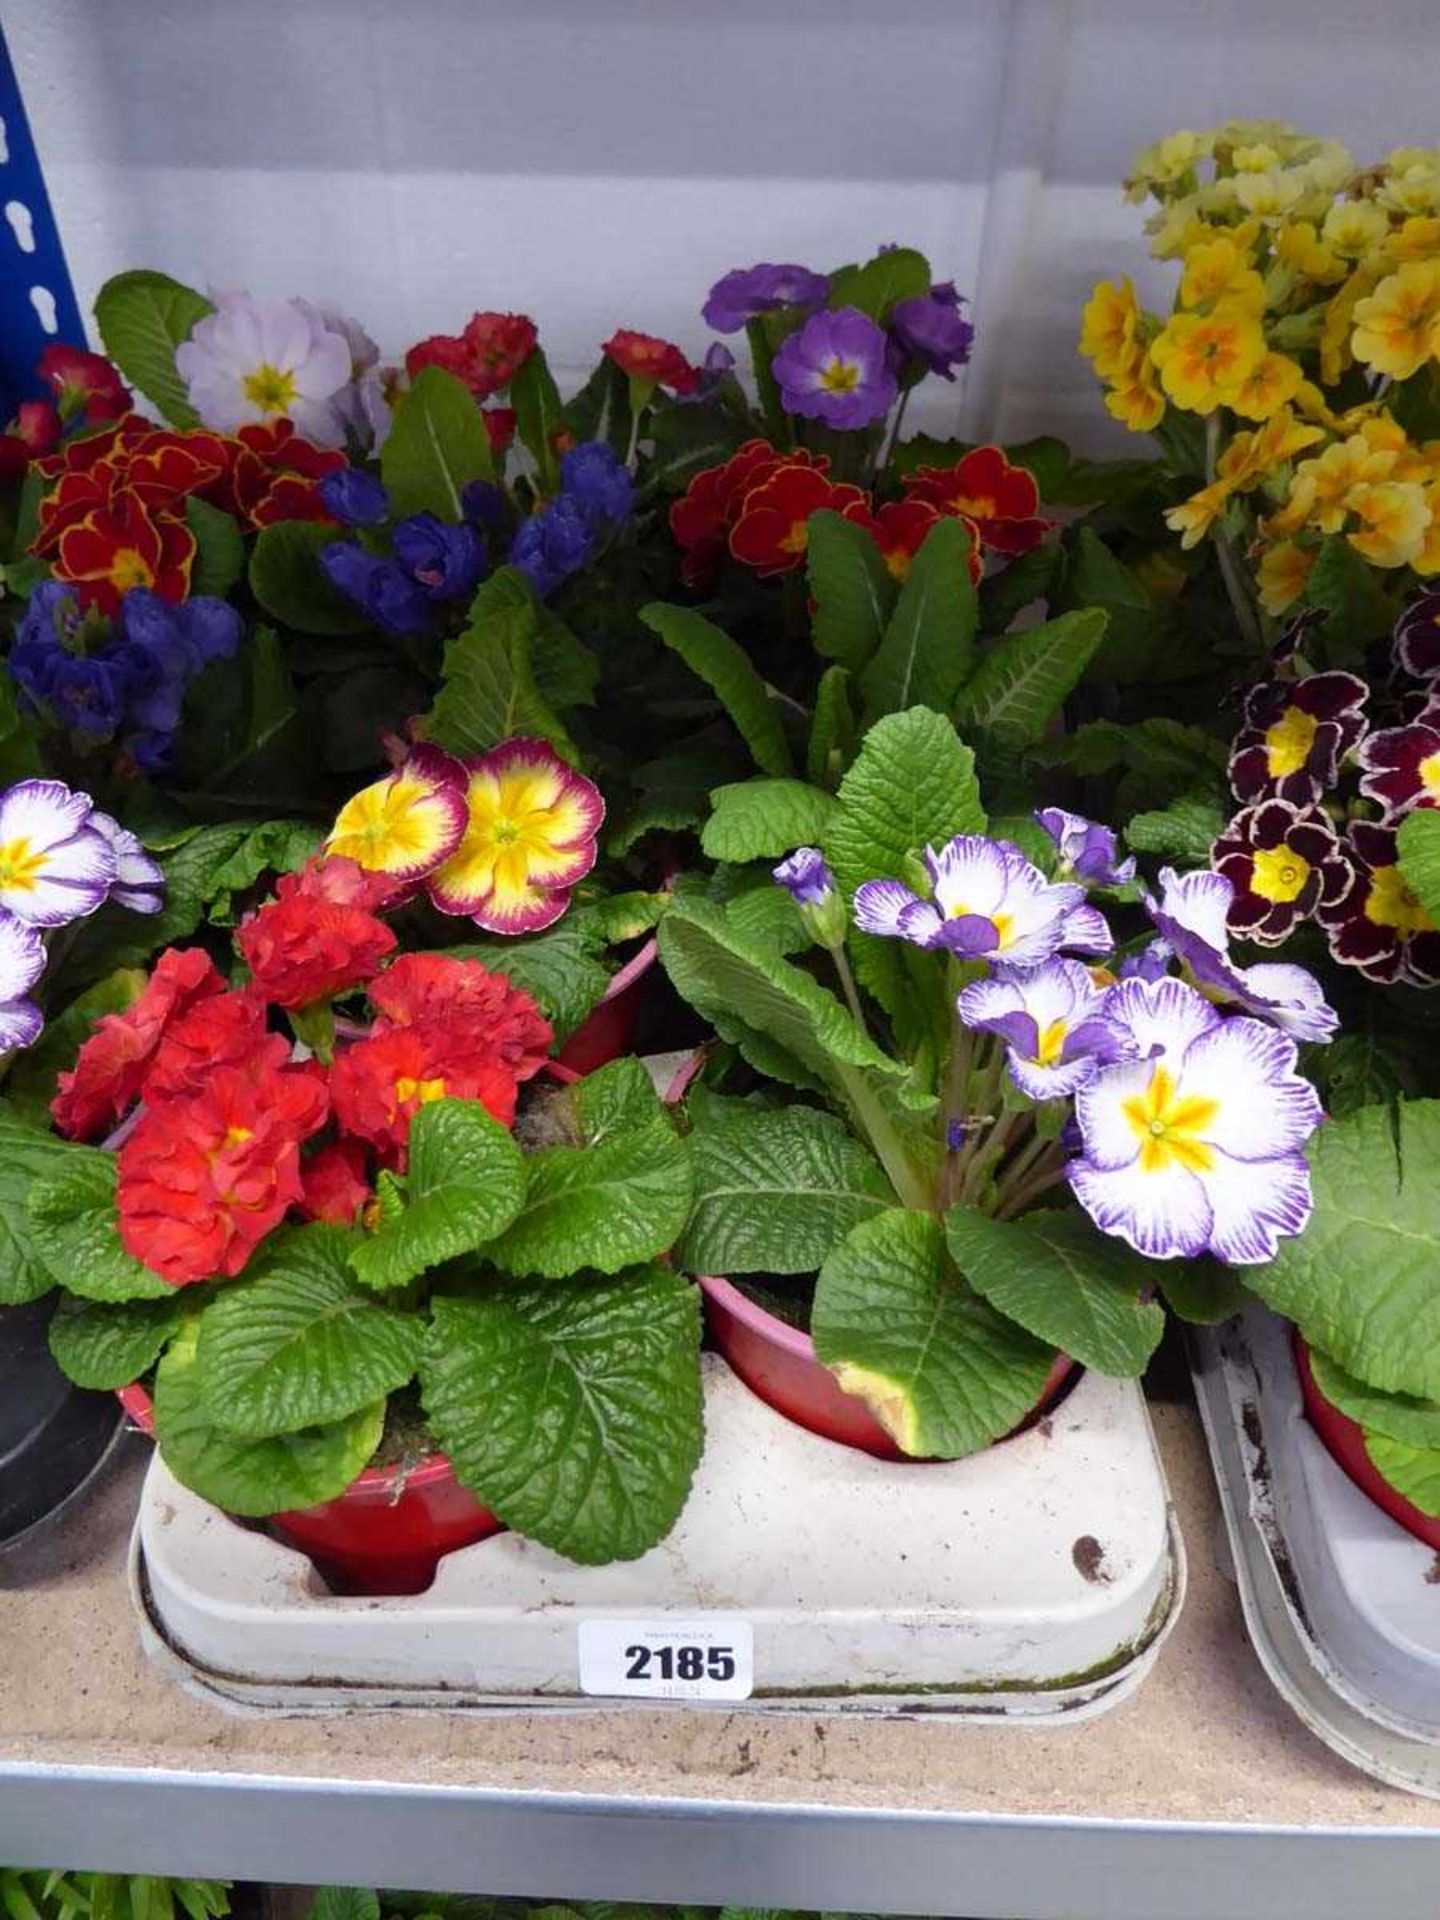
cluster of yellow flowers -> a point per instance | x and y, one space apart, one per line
1309 295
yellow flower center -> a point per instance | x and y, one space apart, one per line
424 1091
840 376
1169 1125
1392 904
1288 742
1052 1044
1429 771
236 1137
129 569
1279 874
20 865
272 389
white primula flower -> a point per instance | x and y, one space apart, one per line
252 361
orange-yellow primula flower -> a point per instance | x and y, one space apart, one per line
1110 327
1194 517
1283 573
1205 358
1216 271
1394 518
1298 247
1252 457
1135 398
1272 385
1397 327
1355 228
1335 353
1415 239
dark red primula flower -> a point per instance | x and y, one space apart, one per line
1295 735
1283 862
1378 926
1402 768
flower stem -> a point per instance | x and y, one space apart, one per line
875 1124
1231 571
1044 1177
887 448
847 982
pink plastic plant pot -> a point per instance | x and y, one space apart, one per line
609 1029
778 1362
1344 1441
386 1533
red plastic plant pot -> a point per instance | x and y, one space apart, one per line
1344 1441
609 1029
386 1533
778 1362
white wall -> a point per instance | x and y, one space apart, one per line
600 162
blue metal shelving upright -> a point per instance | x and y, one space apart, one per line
37 301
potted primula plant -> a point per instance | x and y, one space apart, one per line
982 1146
326 1221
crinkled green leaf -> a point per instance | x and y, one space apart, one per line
912 785
853 590
1025 678
219 548
897 1325
1185 830
28 1157
437 444
763 819
1414 1472
143 317
1202 1291
775 1192
1005 594
572 1409
108 1344
253 1478
299 1344
1063 1281
1398 1416
1160 758
601 409
488 691
463 1185
1419 846
832 730
725 667
566 671
1136 637
74 1228
928 648
287 579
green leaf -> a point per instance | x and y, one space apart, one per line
929 644
1359 1282
912 785
902 273
539 417
1005 594
1345 586
1185 830
775 1192
253 1478
109 1344
1095 578
572 1409
1419 845
725 667
270 703
298 1344
620 1198
287 579
437 444
1398 1416
601 409
688 438
762 819
1044 457
30 1086
143 317
75 1230
1160 757
1026 677
566 672
488 691
832 730
346 1903
897 1326
1414 1472
27 1157
1366 1069
766 915
219 548
464 1185
852 589
1069 1285
1202 1291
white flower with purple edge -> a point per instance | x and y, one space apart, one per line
806 877
1086 849
989 903
1196 1144
1191 916
251 361
1051 1018
22 961
55 866
139 882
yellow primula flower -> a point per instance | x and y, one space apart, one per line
1414 189
1194 517
1135 398
1259 158
1178 227
1217 270
1382 433
1109 327
1167 162
1396 329
1272 385
1354 227
1252 456
1328 481
1269 196
1427 560
1414 239
1282 575
1335 354
1205 358
1298 247
1394 518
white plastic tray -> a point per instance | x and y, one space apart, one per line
1342 1603
1035 1581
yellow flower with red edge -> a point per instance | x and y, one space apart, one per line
1205 359
1397 327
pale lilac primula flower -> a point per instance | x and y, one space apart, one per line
54 865
252 361
990 903
362 412
22 961
139 882
1051 1018
1191 917
1086 849
746 292
1196 1144
834 369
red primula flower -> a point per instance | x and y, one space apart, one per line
421 988
1295 735
305 945
702 517
500 423
899 529
203 1179
1002 500
772 530
335 1184
1402 768
380 1083
1284 863
85 383
222 1030
114 549
33 433
658 363
113 1063
486 356
1378 926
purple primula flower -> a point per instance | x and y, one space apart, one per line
834 369
932 329
1152 962
1196 1144
210 628
252 361
362 413
444 561
54 866
553 543
355 497
1051 1017
806 877
153 753
1086 849
745 292
87 694
483 505
22 961
714 370
989 903
391 596
954 1135
139 881
594 475
1191 916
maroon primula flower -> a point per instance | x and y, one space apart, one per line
1295 735
1284 862
1378 926
1417 638
1402 768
